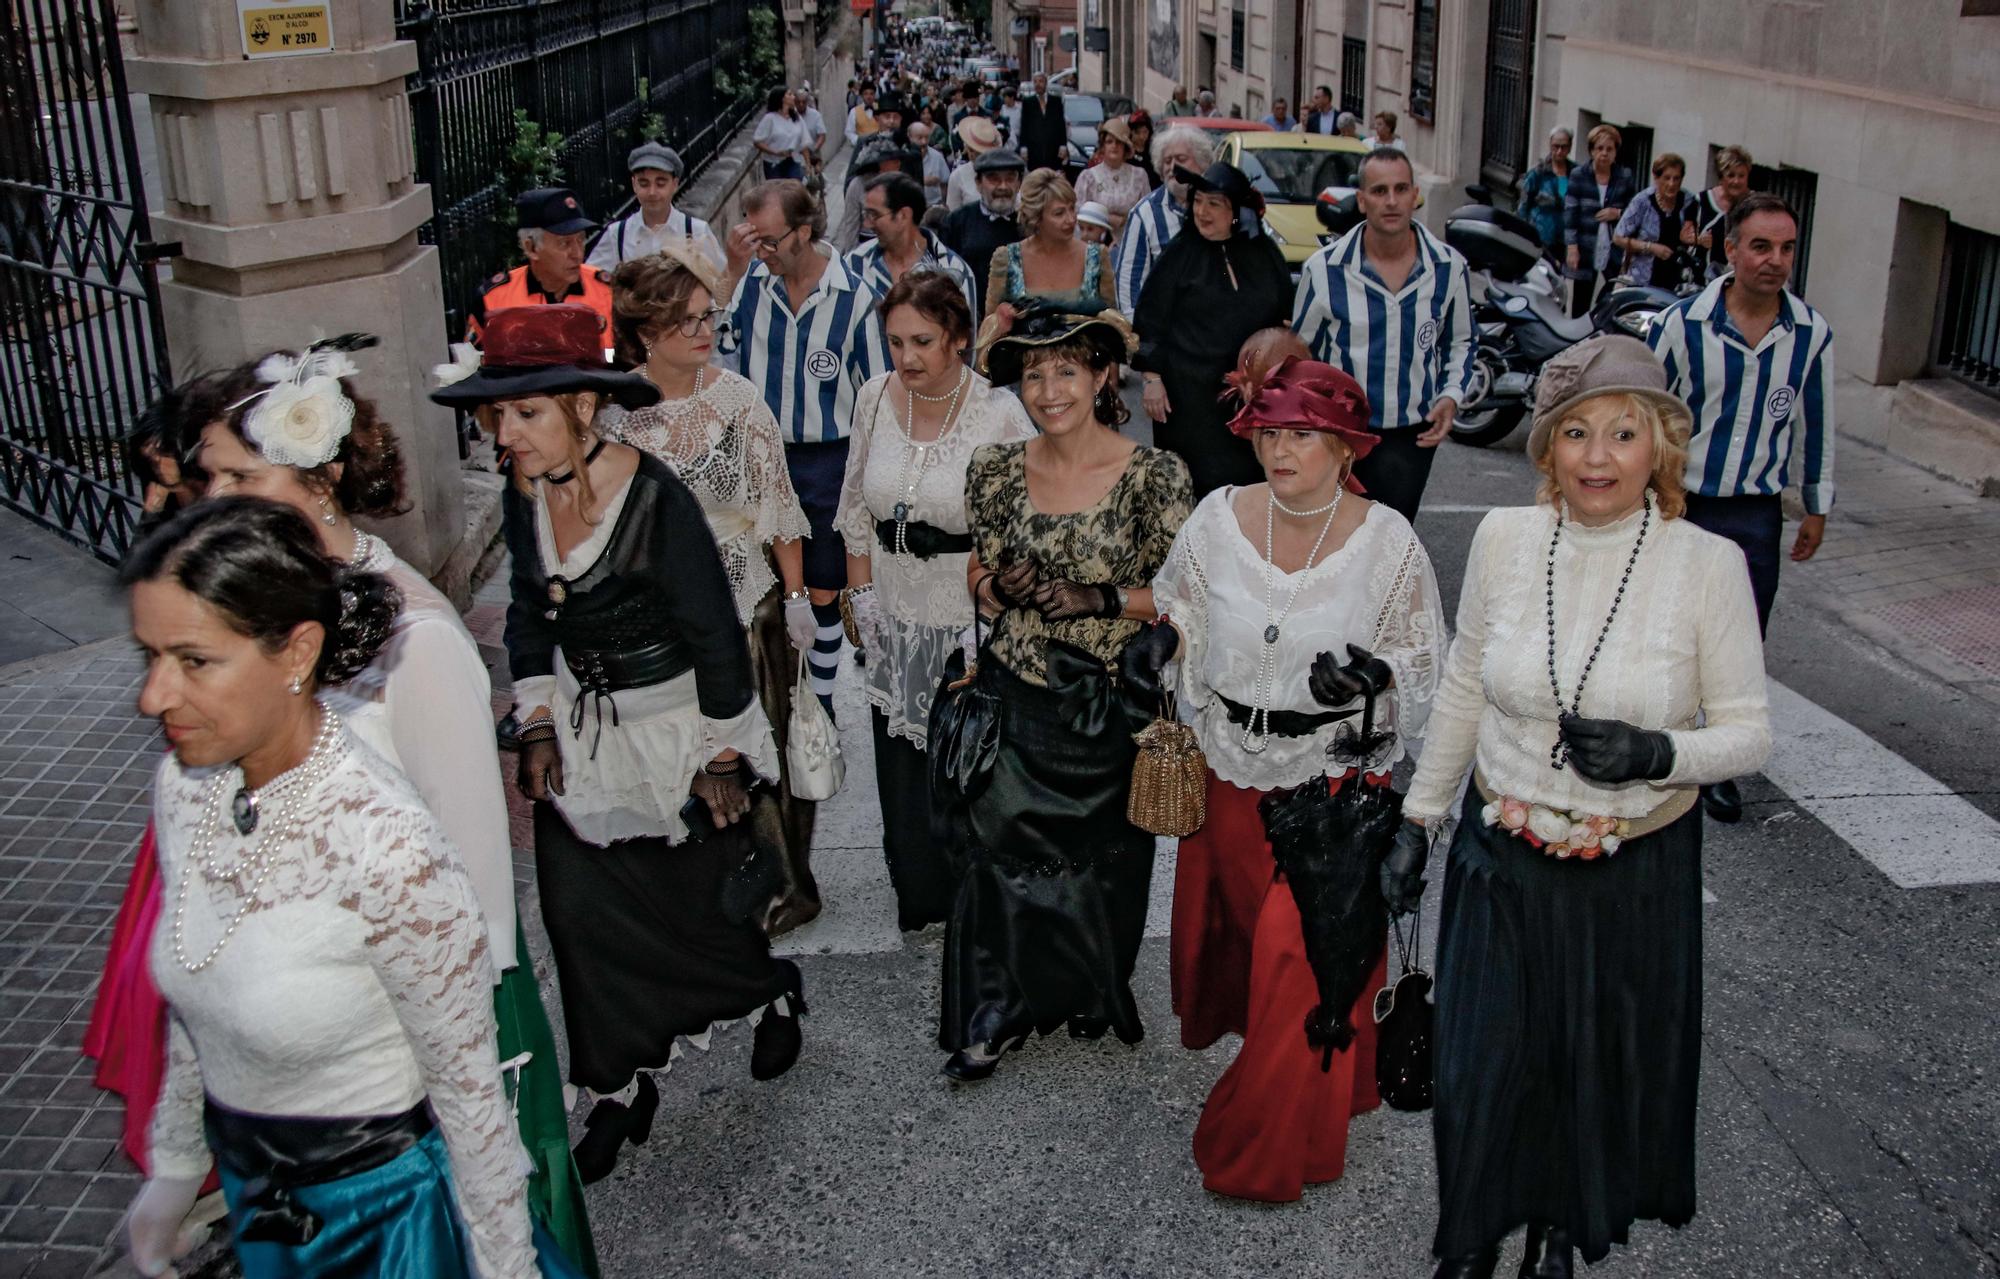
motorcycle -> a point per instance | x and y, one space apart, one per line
1522 321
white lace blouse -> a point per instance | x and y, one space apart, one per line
1377 590
925 606
425 704
1683 655
724 445
359 984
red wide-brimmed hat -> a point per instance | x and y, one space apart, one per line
540 350
1305 395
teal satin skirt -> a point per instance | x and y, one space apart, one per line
397 1220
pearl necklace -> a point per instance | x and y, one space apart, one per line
917 456
1559 753
329 746
1256 738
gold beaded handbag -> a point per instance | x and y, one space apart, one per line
1169 777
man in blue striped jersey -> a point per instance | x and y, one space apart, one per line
893 208
1157 218
1389 304
804 331
1755 364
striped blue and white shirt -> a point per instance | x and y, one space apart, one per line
1409 348
809 364
1152 222
865 263
1748 401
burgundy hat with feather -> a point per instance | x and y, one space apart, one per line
1304 395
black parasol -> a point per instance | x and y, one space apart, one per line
1330 845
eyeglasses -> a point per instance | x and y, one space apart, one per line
766 244
693 324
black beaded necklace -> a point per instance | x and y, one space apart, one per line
1559 753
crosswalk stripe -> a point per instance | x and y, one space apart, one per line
1907 823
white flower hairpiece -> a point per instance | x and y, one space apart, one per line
303 415
464 363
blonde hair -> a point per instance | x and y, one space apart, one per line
580 435
1603 131
1039 190
1731 158
1669 456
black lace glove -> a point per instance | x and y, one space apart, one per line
1335 685
1403 869
1142 660
1058 600
1611 751
725 793
1014 584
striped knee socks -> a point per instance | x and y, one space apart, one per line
823 663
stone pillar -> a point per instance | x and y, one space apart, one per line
290 184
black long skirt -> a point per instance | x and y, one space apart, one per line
1568 1048
781 822
643 953
920 869
1049 916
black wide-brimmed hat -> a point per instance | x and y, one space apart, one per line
1225 180
540 350
1043 326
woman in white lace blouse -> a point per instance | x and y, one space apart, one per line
713 430
328 974
902 515
1289 599
1607 663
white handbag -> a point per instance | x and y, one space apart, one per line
813 765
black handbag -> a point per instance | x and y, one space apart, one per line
1404 1016
964 734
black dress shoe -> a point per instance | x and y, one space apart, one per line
779 1037
1471 1265
609 1126
1723 802
1548 1254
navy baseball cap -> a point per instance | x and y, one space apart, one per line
552 209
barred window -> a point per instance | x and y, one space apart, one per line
1423 62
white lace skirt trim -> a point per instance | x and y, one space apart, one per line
902 681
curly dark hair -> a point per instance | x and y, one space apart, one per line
649 293
370 479
260 565
170 427
935 296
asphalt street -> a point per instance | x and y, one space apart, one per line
1849 1123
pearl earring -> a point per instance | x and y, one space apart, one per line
326 515
298 686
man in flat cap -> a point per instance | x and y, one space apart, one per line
552 227
978 230
656 171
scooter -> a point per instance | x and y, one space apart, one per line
1522 321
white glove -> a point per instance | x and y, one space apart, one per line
153 1225
800 624
867 609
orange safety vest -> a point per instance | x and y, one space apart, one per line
518 288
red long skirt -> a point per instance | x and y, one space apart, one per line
127 1036
1275 1121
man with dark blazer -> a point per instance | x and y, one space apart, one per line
1322 119
1044 134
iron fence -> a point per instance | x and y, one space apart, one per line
1968 327
576 68
82 342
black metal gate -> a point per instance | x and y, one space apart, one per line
82 345
1510 88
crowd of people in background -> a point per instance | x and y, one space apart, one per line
730 456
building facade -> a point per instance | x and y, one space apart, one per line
1878 119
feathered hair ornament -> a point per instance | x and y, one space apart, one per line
304 412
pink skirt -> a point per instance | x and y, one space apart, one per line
127 1037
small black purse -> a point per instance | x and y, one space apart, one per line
1404 1016
964 733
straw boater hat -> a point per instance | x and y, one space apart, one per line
1094 213
1609 364
1305 395
1106 332
978 134
1117 128
538 350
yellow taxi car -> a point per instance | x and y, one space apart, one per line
1291 169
